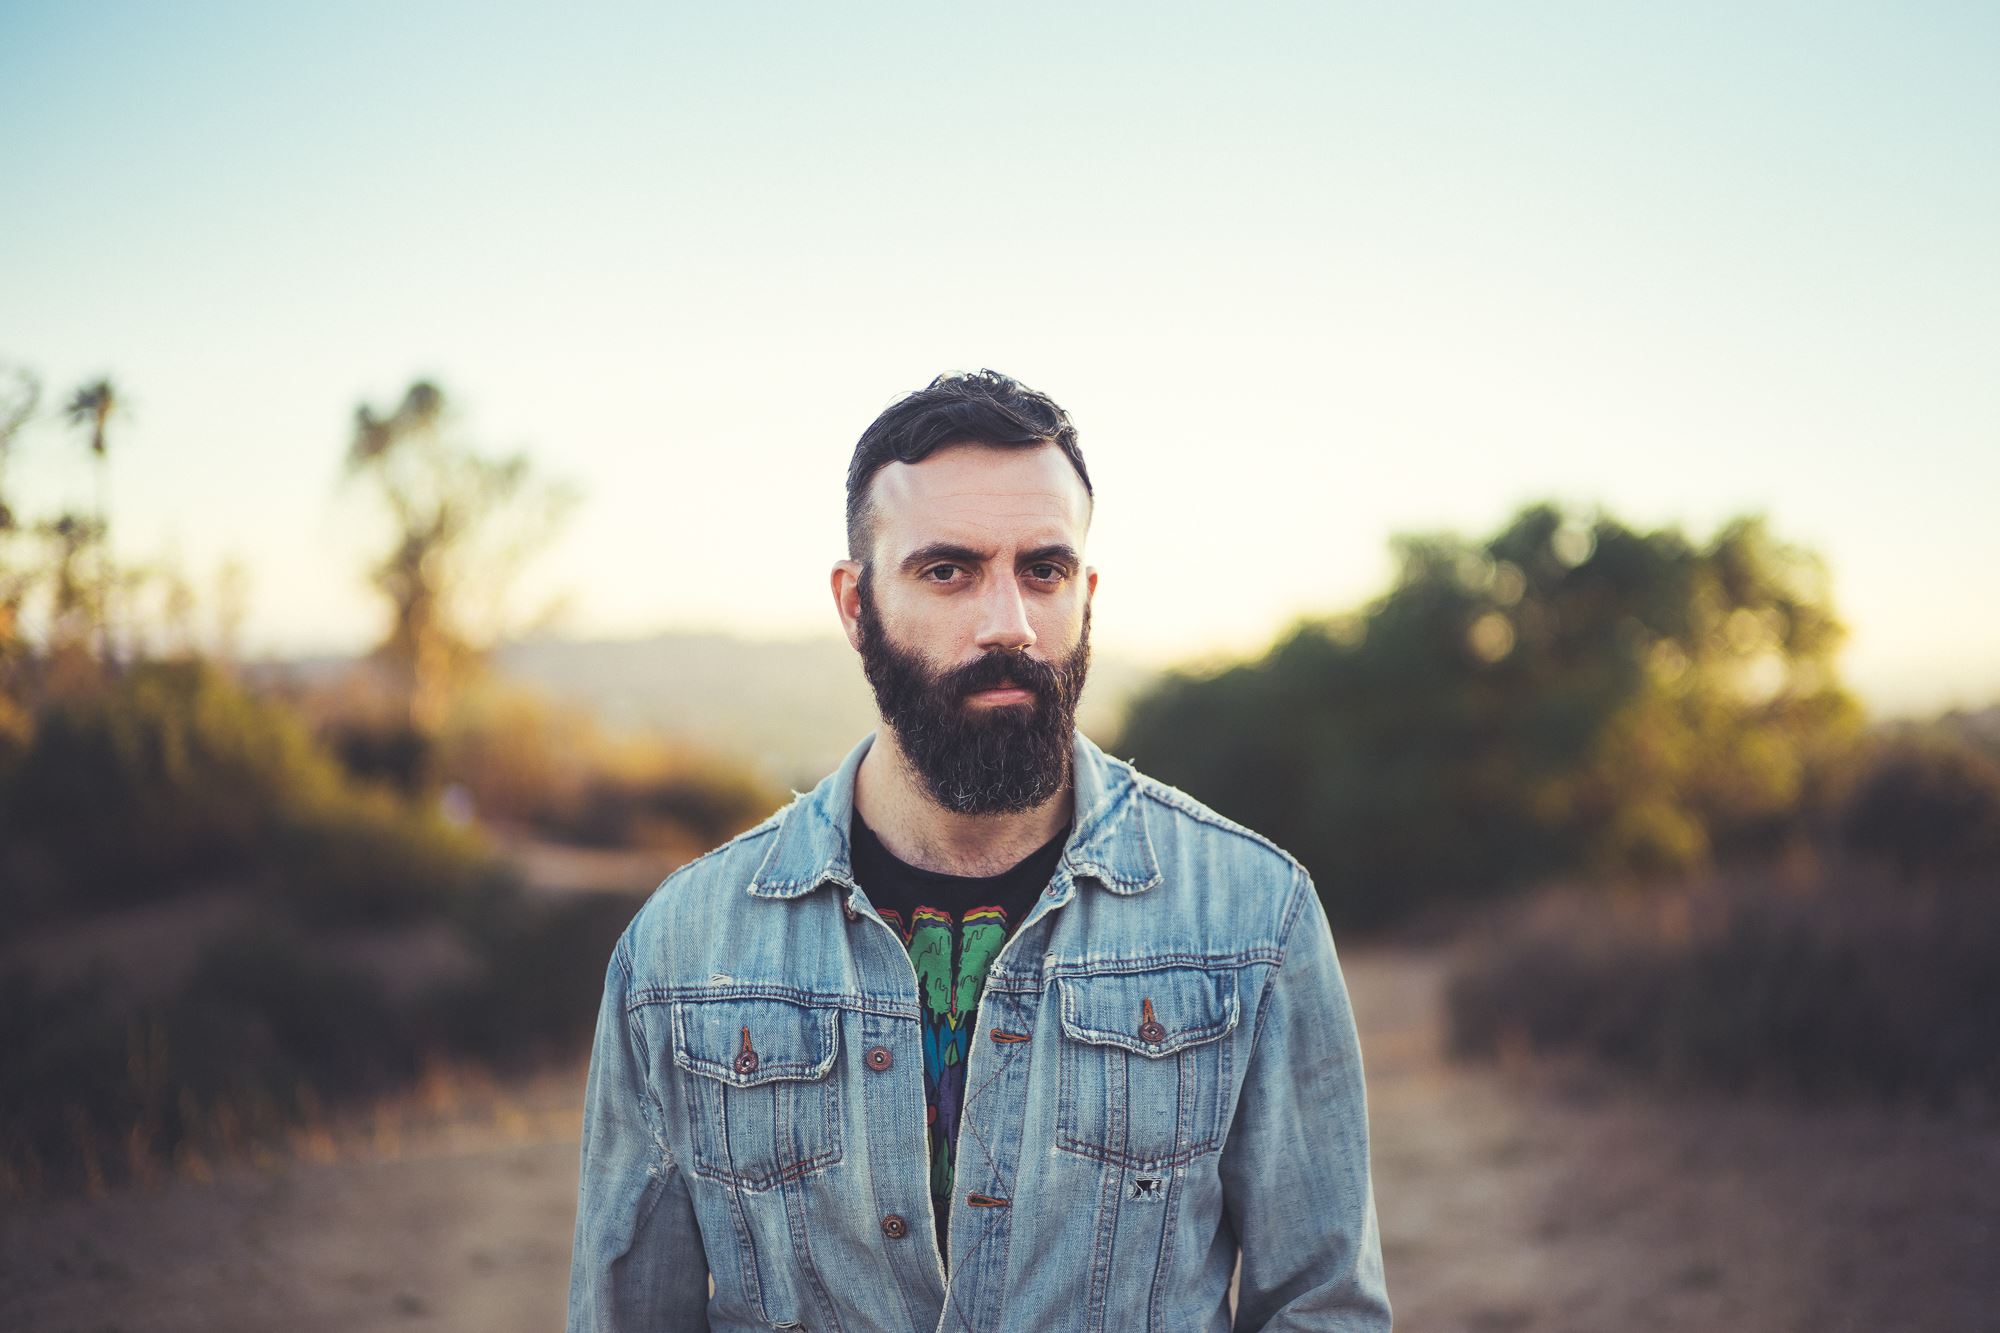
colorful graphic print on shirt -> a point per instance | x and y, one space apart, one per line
951 959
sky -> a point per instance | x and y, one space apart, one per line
1304 276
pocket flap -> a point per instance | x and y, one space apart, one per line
747 1040
1152 1013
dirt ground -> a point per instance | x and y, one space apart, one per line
1537 1197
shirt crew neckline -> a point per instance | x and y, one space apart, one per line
945 879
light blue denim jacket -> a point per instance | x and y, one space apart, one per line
1165 1068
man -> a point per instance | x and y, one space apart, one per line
988 1031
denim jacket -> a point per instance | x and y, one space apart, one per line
1165 1070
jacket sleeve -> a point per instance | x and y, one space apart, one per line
1297 1189
637 1261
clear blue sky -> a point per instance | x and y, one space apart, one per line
1304 275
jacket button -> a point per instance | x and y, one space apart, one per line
1152 1031
894 1227
878 1058
848 910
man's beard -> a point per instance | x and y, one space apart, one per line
978 759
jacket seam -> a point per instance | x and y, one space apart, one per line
650 1108
1301 886
1076 967
1098 827
1173 798
768 824
647 996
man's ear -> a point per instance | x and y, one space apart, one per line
847 599
1089 582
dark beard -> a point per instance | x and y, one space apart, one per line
977 760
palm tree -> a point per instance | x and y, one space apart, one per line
92 406
17 404
464 522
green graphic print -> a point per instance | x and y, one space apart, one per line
951 961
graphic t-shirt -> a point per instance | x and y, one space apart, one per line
953 927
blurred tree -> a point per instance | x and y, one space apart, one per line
464 524
20 393
1568 694
232 600
91 407
73 599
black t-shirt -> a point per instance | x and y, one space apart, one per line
953 927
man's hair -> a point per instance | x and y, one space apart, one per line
980 407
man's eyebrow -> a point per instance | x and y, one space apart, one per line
1061 552
965 555
923 555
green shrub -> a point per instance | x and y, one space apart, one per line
369 857
1929 806
264 1029
389 753
301 1018
527 759
1838 990
268 1032
169 772
1567 696
174 775
704 808
541 978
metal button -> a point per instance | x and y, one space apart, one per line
848 910
894 1227
1151 1029
746 1059
878 1058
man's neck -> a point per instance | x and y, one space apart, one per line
893 801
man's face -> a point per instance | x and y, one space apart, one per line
972 618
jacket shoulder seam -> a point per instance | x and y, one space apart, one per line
768 825
1301 886
1173 798
680 876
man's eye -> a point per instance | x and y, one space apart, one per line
1047 573
935 571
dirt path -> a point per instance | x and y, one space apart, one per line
459 1220
1558 1199
1522 1199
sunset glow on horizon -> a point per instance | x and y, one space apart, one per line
1305 277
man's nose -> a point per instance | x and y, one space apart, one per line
1004 618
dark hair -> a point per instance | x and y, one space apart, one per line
979 407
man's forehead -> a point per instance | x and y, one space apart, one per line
985 488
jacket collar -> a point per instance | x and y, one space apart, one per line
1108 841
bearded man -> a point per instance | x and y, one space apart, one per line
989 1030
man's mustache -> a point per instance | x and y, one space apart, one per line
996 669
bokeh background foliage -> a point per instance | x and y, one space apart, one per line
1776 896
1566 695
1618 764
242 898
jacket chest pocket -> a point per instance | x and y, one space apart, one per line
763 1104
1146 1074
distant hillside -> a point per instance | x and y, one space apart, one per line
1976 727
791 707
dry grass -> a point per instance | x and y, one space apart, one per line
1803 981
